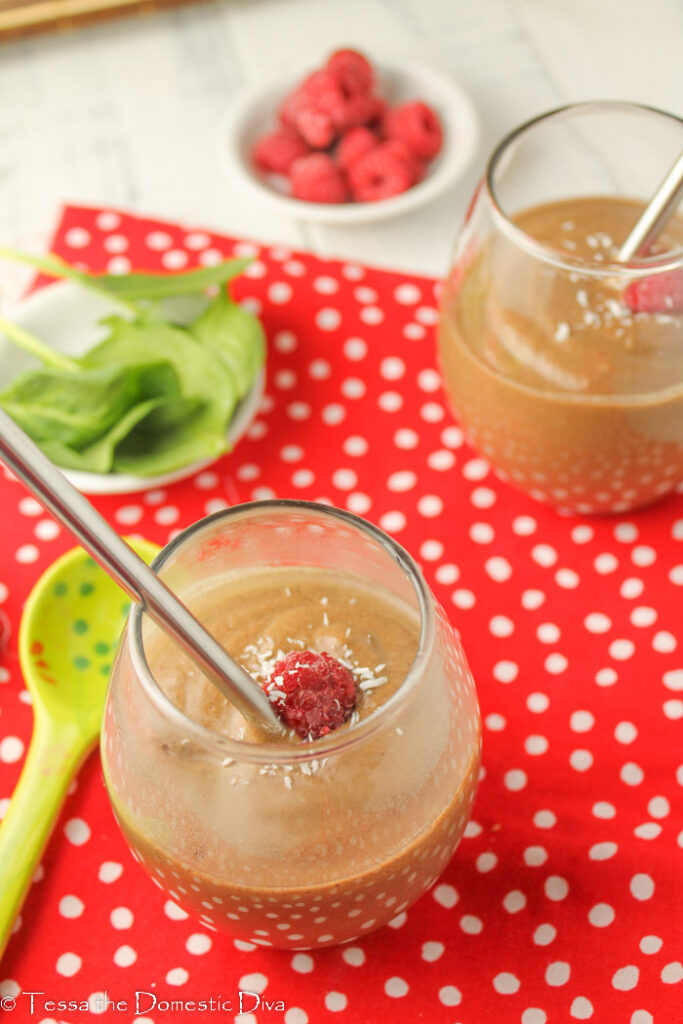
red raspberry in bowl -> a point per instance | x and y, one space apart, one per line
355 143
325 91
378 112
399 149
316 127
317 179
312 693
366 151
379 174
278 151
291 106
353 70
418 126
320 90
357 110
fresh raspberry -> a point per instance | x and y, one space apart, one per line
356 111
402 151
322 82
355 143
317 179
378 113
312 693
378 174
659 293
326 91
292 105
419 171
316 127
347 109
277 151
322 107
353 69
418 126
320 89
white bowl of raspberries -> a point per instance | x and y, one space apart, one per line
351 141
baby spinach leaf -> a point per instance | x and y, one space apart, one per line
137 287
154 395
235 336
132 342
173 435
202 379
22 339
134 288
98 457
76 408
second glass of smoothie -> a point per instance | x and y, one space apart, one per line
564 365
294 844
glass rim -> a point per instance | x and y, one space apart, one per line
635 267
286 753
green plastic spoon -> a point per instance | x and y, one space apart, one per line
68 635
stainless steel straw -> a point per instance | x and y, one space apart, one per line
76 513
654 217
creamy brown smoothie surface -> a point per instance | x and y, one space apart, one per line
259 618
303 853
569 392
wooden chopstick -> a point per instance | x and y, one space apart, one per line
21 16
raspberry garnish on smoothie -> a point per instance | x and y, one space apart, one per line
659 293
313 693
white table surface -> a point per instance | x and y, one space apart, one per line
125 113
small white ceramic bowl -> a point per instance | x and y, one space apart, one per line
253 113
66 316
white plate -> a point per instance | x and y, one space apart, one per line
254 113
66 315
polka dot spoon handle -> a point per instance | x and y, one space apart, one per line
57 750
69 630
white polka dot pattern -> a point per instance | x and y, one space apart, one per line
561 889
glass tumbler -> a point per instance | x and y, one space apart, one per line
564 365
294 844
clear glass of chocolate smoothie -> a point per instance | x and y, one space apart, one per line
305 842
564 365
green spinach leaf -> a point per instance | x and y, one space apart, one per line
153 396
236 338
173 435
134 288
132 342
98 457
75 409
202 379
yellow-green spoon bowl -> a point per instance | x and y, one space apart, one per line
69 632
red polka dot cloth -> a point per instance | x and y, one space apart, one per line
564 901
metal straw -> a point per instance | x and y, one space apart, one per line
76 513
656 214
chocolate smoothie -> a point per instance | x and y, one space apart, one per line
572 395
310 852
